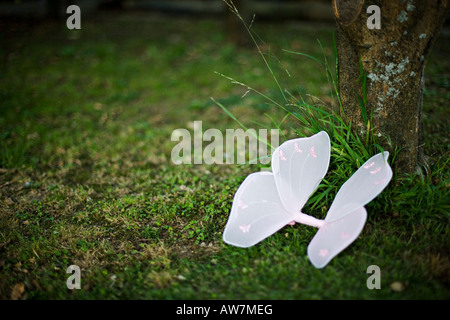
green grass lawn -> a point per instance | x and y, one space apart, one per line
86 176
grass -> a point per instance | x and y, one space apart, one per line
86 176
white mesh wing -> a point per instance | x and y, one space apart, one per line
298 166
362 187
335 236
256 212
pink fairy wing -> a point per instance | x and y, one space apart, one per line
347 215
362 187
298 166
257 211
334 236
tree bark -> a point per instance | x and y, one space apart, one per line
393 59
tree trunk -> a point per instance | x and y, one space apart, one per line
393 58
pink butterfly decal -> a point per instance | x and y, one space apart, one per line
368 165
241 204
323 252
345 235
245 228
282 157
376 170
297 148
